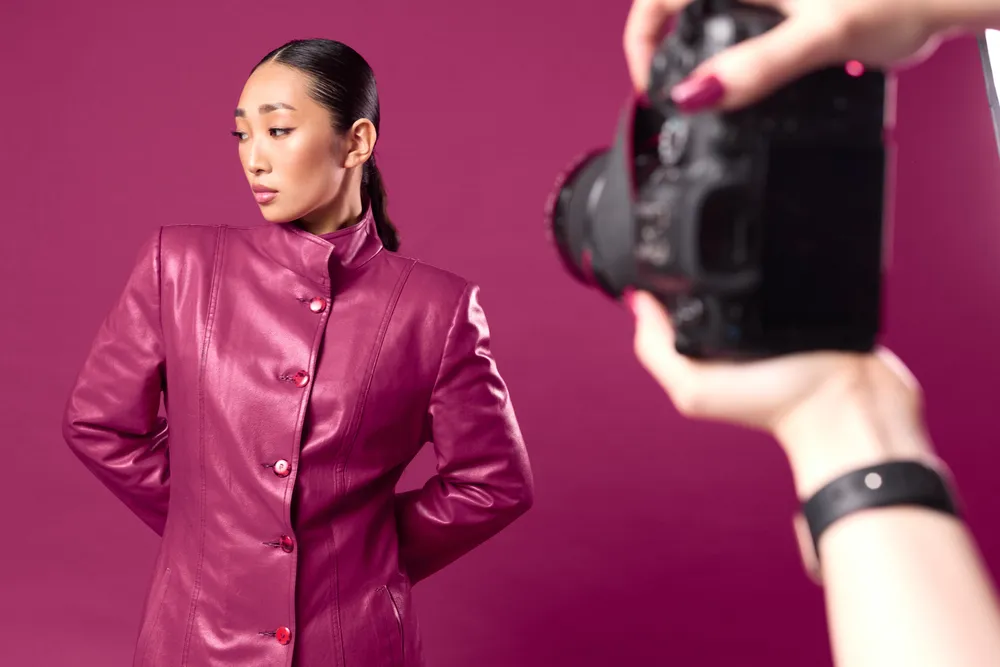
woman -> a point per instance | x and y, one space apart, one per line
302 365
904 585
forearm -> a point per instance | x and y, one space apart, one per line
441 522
964 15
903 585
135 469
483 480
111 419
907 586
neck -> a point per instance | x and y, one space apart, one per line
342 211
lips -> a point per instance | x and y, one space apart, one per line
263 194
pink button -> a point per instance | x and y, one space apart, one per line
301 379
317 305
283 635
282 468
287 544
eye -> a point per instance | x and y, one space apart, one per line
280 131
239 135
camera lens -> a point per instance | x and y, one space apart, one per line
568 212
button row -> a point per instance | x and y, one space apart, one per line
317 304
281 468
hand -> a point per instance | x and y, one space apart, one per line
831 411
816 33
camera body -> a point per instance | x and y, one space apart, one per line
761 230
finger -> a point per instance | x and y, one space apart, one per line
712 390
643 28
749 393
757 67
654 342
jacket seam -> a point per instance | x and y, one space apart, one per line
355 427
375 254
447 342
209 325
159 285
358 417
163 355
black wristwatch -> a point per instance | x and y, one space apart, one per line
888 484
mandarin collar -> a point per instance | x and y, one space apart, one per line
314 256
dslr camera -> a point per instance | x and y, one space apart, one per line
760 230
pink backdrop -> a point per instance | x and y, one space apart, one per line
653 540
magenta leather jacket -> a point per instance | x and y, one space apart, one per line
300 376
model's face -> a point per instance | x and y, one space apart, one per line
295 161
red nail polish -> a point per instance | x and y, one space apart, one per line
696 94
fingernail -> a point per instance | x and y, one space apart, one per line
628 298
697 93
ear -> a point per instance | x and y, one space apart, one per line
360 143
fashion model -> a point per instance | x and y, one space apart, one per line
302 364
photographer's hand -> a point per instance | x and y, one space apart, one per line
904 585
801 399
816 33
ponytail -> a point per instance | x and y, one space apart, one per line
371 181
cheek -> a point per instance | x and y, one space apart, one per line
310 169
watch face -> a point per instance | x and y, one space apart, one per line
989 51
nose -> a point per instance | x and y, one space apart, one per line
257 162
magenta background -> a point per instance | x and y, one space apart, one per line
653 540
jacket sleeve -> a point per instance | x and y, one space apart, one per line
111 419
484 480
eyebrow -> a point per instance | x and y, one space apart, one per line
266 108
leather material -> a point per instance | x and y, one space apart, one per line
254 370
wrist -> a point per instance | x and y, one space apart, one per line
865 417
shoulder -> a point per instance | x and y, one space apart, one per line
184 239
438 299
186 248
433 286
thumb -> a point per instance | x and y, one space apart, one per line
651 318
753 69
654 340
644 28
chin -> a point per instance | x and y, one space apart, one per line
276 215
